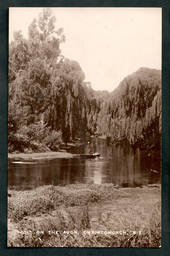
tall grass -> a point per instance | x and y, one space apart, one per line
44 215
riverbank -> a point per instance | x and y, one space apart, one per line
38 156
85 216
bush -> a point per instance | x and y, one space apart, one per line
53 140
36 137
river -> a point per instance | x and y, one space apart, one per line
117 164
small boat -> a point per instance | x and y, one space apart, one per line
93 155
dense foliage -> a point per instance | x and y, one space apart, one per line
49 101
133 111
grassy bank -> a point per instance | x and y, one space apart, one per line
38 156
85 216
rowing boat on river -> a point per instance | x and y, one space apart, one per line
94 155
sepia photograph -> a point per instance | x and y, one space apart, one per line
84 127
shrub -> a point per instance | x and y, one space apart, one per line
53 140
36 137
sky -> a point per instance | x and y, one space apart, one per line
109 43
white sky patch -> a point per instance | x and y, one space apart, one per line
109 43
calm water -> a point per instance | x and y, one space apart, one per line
119 165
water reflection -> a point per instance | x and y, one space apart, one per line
119 165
